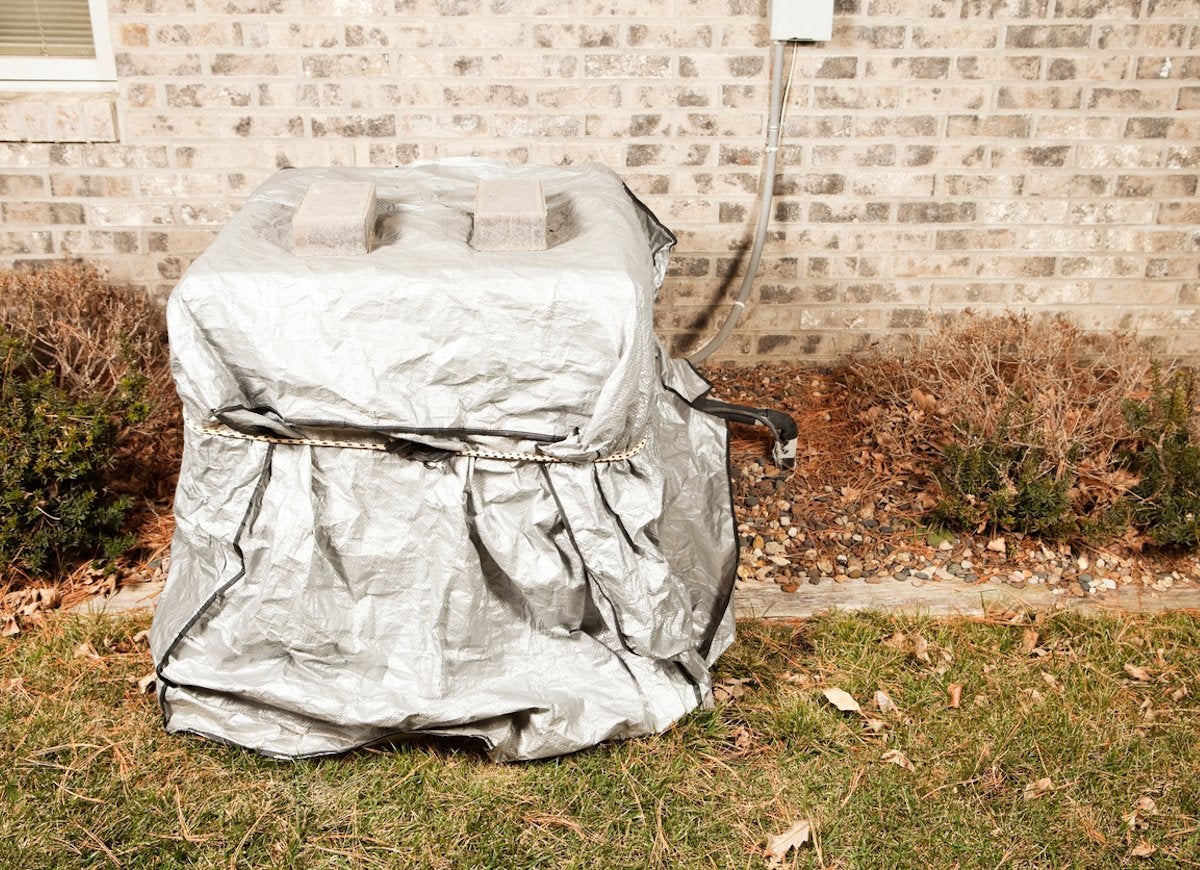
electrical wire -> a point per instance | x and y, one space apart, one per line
774 121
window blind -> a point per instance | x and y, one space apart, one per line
45 28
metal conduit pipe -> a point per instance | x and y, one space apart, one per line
764 211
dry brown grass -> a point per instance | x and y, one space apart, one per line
94 334
1040 382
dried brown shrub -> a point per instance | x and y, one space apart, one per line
1041 382
94 334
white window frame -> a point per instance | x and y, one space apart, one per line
55 73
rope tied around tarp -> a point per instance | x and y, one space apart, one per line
400 446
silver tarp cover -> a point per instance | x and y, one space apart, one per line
323 597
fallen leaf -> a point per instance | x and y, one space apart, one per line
1039 788
146 683
11 627
1050 680
996 545
895 756
955 690
730 690
1029 642
142 636
1143 849
842 700
1029 698
884 702
86 651
793 838
875 726
1138 675
920 649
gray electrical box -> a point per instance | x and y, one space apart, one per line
801 20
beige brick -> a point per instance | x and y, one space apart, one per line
181 184
324 66
907 8
662 95
955 36
975 240
1078 126
639 125
353 126
676 35
991 66
140 126
1140 99
537 125
945 97
1063 239
1118 156
206 214
888 184
989 126
1179 213
370 96
505 96
78 243
853 212
207 33
992 184
846 97
91 185
1171 67
133 36
144 64
144 157
514 65
35 242
1104 9
853 154
1112 213
1048 36
127 214
581 96
206 96
1039 155
1068 185
626 65
438 125
1091 68
1039 97
22 185
907 68
1094 266
1021 212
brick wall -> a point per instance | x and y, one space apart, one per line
1036 154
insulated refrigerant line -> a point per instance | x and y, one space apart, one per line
774 122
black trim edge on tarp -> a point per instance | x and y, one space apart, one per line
253 506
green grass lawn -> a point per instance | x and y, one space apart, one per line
1107 710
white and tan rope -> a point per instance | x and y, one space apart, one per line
224 431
